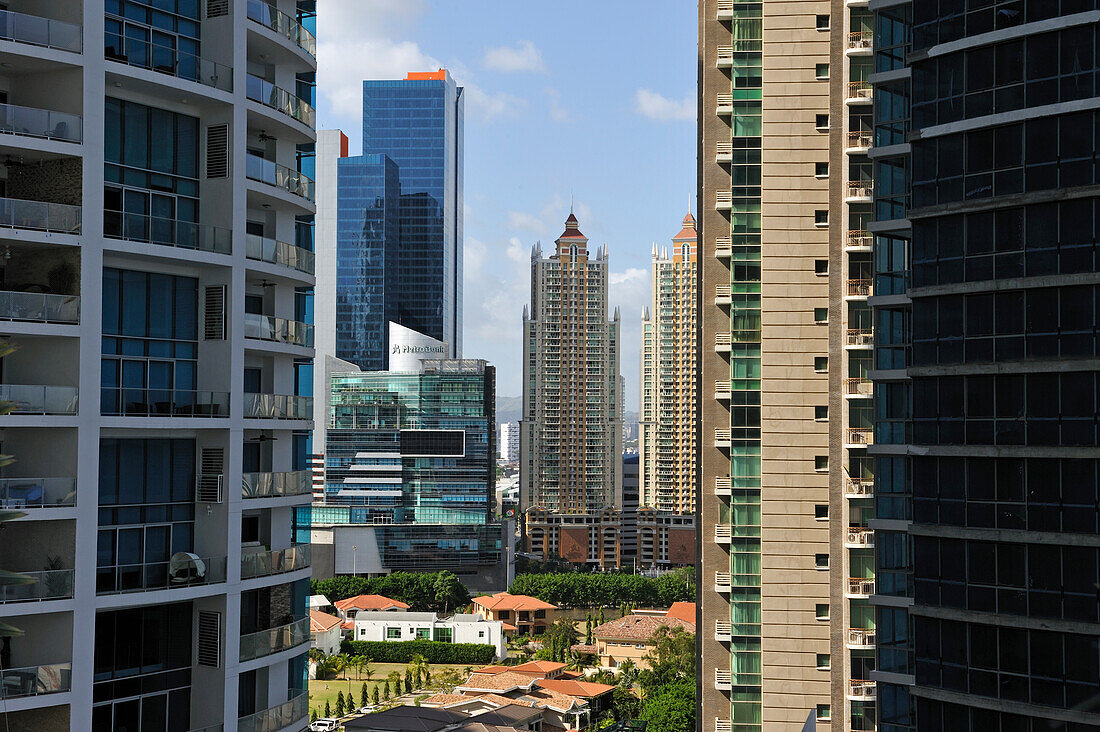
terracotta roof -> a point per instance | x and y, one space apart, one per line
506 681
584 648
507 626
538 667
583 689
638 627
571 230
688 232
492 669
552 699
573 674
347 625
682 611
498 699
319 622
443 700
369 602
504 601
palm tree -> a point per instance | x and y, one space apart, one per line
366 669
418 666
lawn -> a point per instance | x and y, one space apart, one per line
322 691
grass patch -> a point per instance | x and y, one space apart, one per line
322 691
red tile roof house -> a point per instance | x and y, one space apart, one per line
347 608
324 632
528 615
629 638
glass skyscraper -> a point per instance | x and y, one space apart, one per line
399 232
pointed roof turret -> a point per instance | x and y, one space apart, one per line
571 229
687 233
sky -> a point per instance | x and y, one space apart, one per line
592 99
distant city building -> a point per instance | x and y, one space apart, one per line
571 432
668 410
628 529
509 442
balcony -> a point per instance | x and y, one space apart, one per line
723 200
22 493
278 330
723 581
723 294
861 488
277 485
725 57
183 569
859 288
34 399
859 538
723 105
55 584
284 25
723 342
723 679
266 642
722 486
45 124
860 43
859 92
167 232
860 437
723 152
279 99
858 387
860 338
722 725
723 247
859 191
859 142
861 690
278 406
723 390
295 709
278 176
860 588
16 683
723 533
861 638
272 251
725 9
859 240
723 438
21 213
723 630
142 54
256 562
38 31
39 307
126 402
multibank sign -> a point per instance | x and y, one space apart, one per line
408 347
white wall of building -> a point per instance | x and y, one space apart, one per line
403 626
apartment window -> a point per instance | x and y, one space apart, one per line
423 633
821 170
821 561
824 711
821 413
821 315
821 267
822 122
823 662
393 634
821 463
444 635
821 364
823 22
821 511
164 39
821 71
821 217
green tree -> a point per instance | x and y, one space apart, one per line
374 694
386 691
601 617
340 704
408 681
671 660
628 674
328 709
313 715
670 709
588 629
364 696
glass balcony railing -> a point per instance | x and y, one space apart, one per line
37 492
20 213
278 717
40 31
141 53
182 570
35 680
39 307
34 399
280 176
276 485
283 24
54 584
269 95
127 402
169 232
272 251
278 330
274 640
265 563
278 406
31 122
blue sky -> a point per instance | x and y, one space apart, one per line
592 98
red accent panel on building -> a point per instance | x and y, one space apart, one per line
440 75
681 546
573 544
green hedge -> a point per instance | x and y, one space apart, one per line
579 589
439 592
432 651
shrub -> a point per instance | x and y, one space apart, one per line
578 589
440 592
432 651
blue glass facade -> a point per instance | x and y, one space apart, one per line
412 130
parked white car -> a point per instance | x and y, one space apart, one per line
324 724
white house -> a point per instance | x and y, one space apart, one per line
404 626
324 631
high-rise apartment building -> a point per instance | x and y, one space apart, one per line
785 349
667 415
157 277
509 442
985 371
571 431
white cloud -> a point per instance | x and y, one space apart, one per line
655 106
524 56
520 221
485 106
558 112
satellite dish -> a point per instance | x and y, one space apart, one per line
185 567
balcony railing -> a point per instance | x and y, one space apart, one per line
859 189
722 725
39 307
723 533
127 402
859 288
860 139
33 399
723 630
723 679
275 485
860 239
860 537
167 60
167 232
283 24
278 330
861 689
860 487
279 716
265 563
37 492
722 437
280 176
724 103
860 436
54 584
39 31
269 95
182 570
22 213
723 581
861 586
861 337
860 40
278 406
723 199
859 91
44 123
273 251
723 339
274 640
861 636
35 680
723 246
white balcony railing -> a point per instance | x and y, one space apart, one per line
861 637
859 91
860 436
859 537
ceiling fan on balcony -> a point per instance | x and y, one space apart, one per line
264 137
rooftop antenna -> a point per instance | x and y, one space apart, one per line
570 201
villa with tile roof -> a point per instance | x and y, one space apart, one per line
521 614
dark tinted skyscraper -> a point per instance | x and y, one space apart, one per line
987 249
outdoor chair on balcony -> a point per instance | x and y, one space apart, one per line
185 568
